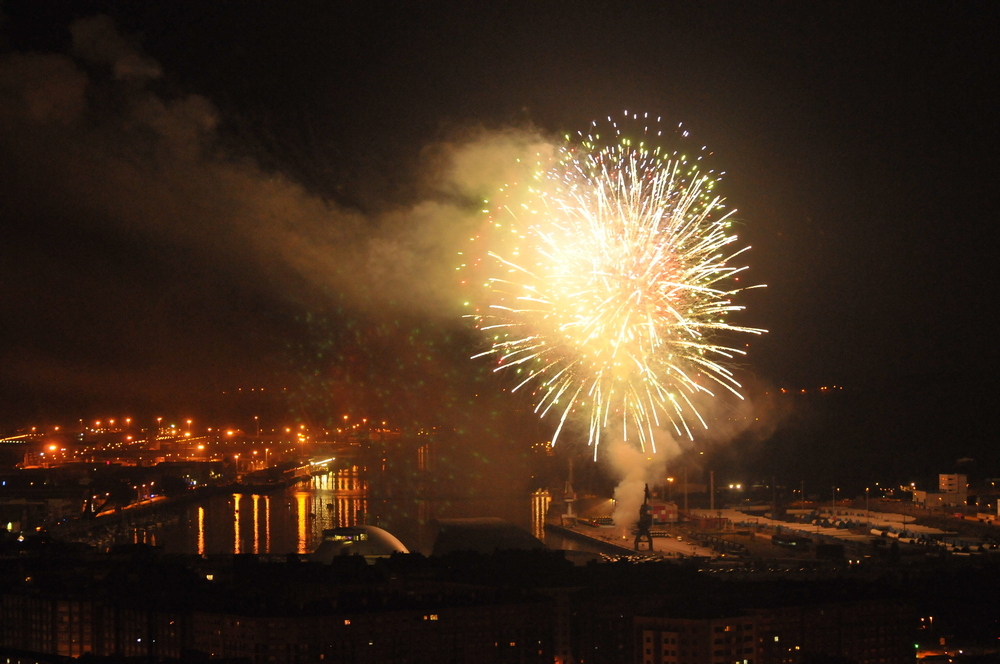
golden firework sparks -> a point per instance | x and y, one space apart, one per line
603 282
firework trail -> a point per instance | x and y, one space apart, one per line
603 282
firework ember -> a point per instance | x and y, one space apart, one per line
604 281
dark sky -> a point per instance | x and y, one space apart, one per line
194 193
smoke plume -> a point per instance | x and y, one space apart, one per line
90 145
636 469
88 127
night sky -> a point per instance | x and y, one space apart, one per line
197 197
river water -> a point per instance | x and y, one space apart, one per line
293 520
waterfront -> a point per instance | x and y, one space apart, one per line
292 520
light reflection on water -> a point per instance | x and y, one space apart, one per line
201 530
236 523
256 523
293 520
540 501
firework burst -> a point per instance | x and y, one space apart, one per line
603 282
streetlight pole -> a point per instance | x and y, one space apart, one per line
868 518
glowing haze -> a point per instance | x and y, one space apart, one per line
604 281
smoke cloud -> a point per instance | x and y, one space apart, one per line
86 136
215 254
637 468
749 420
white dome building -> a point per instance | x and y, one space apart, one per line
368 541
